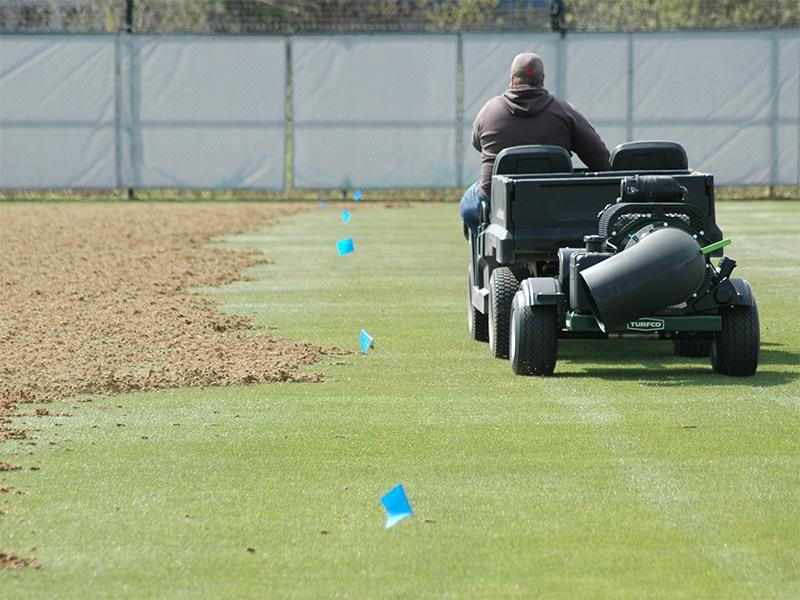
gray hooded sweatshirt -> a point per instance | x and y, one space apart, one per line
525 114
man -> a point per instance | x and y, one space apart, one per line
527 114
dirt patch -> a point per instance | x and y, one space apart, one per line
14 562
93 300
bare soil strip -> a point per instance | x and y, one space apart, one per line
93 300
14 562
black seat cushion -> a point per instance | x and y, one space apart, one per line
649 156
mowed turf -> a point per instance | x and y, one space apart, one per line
629 473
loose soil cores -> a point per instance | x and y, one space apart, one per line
94 299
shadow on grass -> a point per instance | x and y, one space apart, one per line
652 362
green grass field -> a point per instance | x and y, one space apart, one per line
630 473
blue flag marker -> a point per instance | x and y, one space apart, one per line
345 217
322 204
396 504
345 246
365 340
357 195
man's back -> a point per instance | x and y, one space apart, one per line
527 114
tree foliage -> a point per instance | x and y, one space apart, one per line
286 16
650 15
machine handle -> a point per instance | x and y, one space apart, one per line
715 246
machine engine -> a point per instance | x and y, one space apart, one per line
650 254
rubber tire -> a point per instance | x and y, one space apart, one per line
503 285
734 349
534 340
692 346
477 323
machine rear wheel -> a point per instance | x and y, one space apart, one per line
502 287
734 349
533 347
477 322
692 346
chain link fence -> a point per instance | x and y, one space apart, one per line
292 97
388 111
439 16
264 16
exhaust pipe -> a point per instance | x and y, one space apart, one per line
661 270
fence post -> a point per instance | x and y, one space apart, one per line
118 108
133 74
557 17
289 153
561 67
629 93
129 16
460 149
774 150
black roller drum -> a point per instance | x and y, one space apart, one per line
661 270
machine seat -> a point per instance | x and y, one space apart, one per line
530 160
649 156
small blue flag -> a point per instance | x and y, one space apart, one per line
357 195
322 204
345 246
365 341
345 216
396 504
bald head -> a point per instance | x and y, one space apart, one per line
527 69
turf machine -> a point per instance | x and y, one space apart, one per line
576 254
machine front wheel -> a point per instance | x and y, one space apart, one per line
502 287
533 346
477 322
734 349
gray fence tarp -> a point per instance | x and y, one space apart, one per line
142 111
730 98
716 99
57 120
211 112
374 111
788 111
